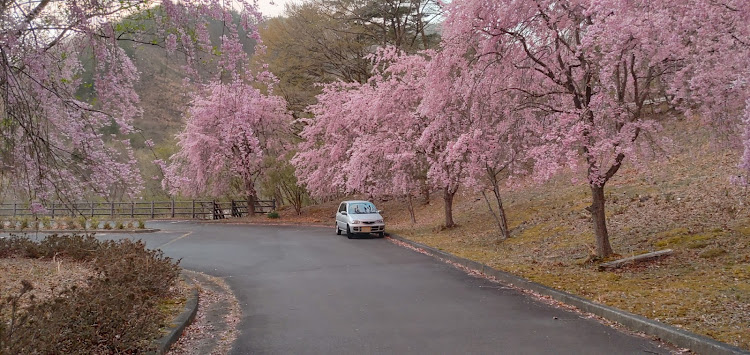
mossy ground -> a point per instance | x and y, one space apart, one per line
174 304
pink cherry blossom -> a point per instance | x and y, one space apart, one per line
53 145
231 131
531 87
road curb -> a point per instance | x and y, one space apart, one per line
137 231
292 224
681 338
179 324
107 231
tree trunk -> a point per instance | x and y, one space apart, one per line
278 195
598 217
501 213
298 202
250 189
425 193
411 210
448 199
500 218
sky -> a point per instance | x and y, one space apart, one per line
272 8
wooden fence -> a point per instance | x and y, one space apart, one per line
151 209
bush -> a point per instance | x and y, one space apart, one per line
273 215
119 225
141 225
94 223
76 247
117 313
107 225
24 223
18 246
47 222
82 221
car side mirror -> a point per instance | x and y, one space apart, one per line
343 213
380 211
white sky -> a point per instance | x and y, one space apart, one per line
272 8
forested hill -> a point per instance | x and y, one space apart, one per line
163 97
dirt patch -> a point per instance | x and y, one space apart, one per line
46 276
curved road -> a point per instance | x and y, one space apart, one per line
305 290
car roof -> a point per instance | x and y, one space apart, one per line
356 201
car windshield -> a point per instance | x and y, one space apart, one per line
362 208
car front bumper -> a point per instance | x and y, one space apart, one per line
367 228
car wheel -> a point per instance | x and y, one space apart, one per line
381 234
349 233
338 230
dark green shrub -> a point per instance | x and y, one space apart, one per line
141 225
119 225
273 215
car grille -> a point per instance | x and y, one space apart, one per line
374 229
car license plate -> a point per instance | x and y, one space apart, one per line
366 229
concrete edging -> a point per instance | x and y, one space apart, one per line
180 323
68 231
135 231
681 338
263 223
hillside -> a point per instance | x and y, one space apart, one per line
164 100
161 92
685 202
163 96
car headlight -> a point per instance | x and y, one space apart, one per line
356 221
379 221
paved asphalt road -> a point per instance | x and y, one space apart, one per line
305 290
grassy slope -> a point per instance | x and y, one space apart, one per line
685 203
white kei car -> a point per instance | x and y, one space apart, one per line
359 217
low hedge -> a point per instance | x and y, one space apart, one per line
116 313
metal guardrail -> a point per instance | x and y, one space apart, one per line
194 209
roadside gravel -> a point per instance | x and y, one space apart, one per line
214 329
